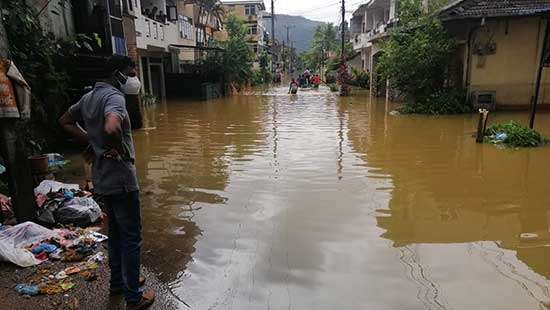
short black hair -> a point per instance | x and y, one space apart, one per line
118 63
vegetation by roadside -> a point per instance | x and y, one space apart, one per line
513 134
233 62
48 66
415 62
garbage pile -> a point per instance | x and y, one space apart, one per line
65 204
30 244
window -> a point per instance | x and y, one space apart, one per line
250 9
172 13
253 30
185 27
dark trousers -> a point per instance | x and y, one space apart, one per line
125 243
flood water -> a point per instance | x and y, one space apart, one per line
319 202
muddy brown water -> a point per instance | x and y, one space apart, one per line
318 202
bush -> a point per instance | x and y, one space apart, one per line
333 87
442 102
360 78
516 135
415 60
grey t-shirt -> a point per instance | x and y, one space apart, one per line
110 176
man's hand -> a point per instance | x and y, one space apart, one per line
112 154
113 129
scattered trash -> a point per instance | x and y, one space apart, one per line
97 237
98 257
71 270
89 275
78 211
44 247
56 160
61 275
501 137
395 113
67 286
57 255
91 265
13 241
48 186
528 236
51 289
27 289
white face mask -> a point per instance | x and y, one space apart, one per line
132 86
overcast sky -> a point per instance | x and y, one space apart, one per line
322 10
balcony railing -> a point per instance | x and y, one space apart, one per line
155 33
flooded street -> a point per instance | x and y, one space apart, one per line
321 202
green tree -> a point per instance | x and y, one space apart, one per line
415 61
209 9
234 60
324 43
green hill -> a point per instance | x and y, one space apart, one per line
301 33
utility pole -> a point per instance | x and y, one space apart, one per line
288 40
539 75
273 32
15 158
343 30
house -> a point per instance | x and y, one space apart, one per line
369 24
252 13
169 35
56 17
207 22
499 48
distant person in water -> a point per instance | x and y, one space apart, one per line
293 88
307 76
316 80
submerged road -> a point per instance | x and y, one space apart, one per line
270 201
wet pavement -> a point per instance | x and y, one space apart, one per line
318 202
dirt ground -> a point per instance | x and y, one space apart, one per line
85 295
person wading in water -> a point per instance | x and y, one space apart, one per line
102 112
293 88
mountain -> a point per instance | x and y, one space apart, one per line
301 32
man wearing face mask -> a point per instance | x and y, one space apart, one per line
131 90
102 112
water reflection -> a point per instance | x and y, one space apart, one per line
320 202
448 190
185 153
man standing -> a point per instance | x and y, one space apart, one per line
102 112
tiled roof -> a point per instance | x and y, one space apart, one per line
494 8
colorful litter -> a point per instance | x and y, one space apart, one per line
65 204
29 244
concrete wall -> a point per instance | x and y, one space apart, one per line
186 55
511 69
56 17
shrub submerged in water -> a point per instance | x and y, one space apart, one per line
513 134
446 101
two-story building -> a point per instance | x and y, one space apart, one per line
254 16
369 24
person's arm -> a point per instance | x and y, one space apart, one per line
114 114
69 123
113 129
